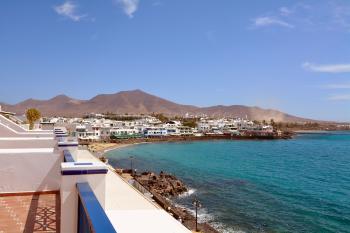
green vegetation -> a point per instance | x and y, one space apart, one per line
290 126
189 122
32 115
125 117
161 117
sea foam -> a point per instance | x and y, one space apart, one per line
188 193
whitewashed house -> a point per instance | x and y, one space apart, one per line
185 130
155 132
172 127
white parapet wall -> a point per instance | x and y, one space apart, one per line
86 168
29 172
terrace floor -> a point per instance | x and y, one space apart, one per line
30 213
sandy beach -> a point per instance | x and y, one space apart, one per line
100 148
104 147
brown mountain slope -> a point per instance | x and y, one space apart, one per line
137 101
55 106
254 113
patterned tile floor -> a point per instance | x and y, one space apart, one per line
30 213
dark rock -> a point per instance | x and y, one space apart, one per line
164 184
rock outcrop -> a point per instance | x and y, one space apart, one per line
164 184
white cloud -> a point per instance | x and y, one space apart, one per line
129 6
330 68
321 16
285 11
68 9
340 97
271 21
338 86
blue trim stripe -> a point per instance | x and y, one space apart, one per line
84 172
83 163
67 145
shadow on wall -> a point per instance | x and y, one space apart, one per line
30 172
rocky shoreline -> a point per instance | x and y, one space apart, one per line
100 147
118 142
164 184
163 187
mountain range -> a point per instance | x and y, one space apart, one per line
137 102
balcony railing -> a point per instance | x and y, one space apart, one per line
91 216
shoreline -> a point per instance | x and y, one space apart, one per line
122 145
100 148
153 184
178 212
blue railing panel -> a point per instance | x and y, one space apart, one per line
92 218
83 222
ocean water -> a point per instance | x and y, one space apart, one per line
298 185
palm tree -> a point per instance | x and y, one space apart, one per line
272 122
32 115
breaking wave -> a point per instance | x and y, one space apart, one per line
188 193
205 217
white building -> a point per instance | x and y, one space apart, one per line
123 132
155 132
86 132
185 130
172 127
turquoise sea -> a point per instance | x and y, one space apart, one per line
297 185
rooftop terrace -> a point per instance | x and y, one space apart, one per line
31 213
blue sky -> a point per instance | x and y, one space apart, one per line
289 55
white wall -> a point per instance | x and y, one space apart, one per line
30 172
69 197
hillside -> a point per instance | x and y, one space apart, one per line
136 102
